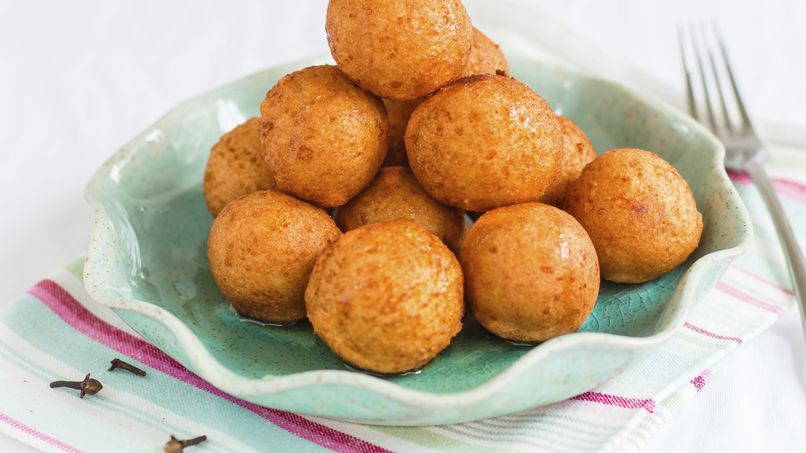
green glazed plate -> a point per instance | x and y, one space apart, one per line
148 261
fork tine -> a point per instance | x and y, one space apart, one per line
747 125
703 78
709 50
692 107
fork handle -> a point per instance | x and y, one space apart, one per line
792 251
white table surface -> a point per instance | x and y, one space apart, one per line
78 80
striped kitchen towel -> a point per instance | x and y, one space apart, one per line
56 331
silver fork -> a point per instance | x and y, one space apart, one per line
743 149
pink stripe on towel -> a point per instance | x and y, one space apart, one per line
52 441
700 381
710 334
787 187
64 305
769 283
615 400
744 297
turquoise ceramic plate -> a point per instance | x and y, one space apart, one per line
148 261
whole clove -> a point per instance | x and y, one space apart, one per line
117 363
175 445
88 386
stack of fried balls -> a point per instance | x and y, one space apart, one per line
418 123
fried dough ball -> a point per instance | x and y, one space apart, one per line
323 137
261 250
484 142
395 194
399 50
485 56
531 272
386 297
638 211
578 151
398 113
235 167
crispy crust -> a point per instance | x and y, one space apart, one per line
323 137
261 250
386 297
484 141
531 272
399 50
398 113
639 212
395 194
578 152
486 56
235 167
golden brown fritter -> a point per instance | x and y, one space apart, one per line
386 297
398 113
531 272
485 56
484 142
396 195
638 211
261 250
324 138
399 50
235 167
578 151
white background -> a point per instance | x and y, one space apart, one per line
78 80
